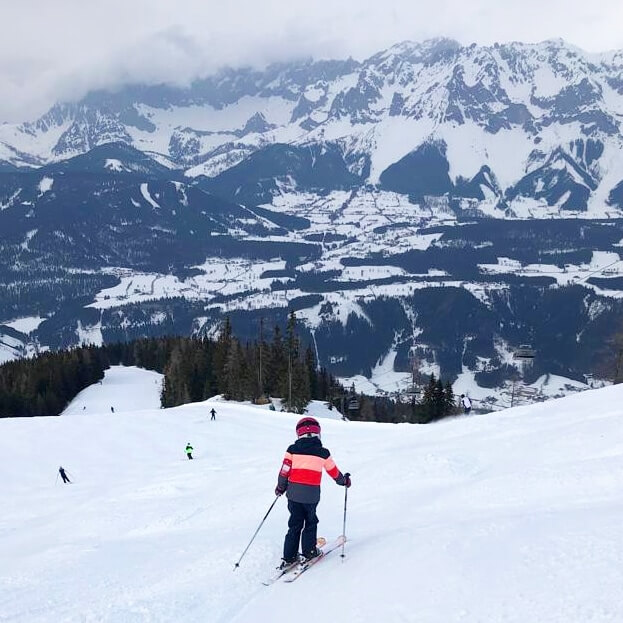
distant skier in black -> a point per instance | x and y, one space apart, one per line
189 450
466 403
63 474
112 409
213 412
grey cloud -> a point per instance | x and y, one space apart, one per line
61 49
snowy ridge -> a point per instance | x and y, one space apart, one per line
507 107
510 510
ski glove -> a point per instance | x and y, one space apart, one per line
279 491
344 480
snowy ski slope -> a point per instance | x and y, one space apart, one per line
513 517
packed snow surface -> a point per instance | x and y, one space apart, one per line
127 389
507 517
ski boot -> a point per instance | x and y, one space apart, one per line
286 564
315 553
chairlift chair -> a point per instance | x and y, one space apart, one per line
525 351
526 391
412 391
353 404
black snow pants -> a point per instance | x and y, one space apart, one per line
302 526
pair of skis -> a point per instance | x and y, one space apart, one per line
295 570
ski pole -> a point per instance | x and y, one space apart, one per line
255 533
344 524
56 481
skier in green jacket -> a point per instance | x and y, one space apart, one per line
189 450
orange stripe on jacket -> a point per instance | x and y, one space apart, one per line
307 469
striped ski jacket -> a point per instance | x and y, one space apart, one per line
301 470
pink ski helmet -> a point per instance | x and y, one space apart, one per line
307 427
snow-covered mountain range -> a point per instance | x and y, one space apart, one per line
456 200
514 125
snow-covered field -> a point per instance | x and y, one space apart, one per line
127 389
508 517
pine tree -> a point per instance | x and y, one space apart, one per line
210 387
323 390
263 357
232 372
428 401
366 410
449 400
175 389
297 386
277 365
249 373
312 374
439 402
301 394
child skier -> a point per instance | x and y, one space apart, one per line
189 450
300 476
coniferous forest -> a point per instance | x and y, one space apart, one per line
195 369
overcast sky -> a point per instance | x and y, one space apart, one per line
59 49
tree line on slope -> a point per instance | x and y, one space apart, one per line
195 369
437 401
253 371
45 384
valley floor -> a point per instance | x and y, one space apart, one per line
511 517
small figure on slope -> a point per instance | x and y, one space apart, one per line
299 478
213 412
189 450
64 476
466 403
